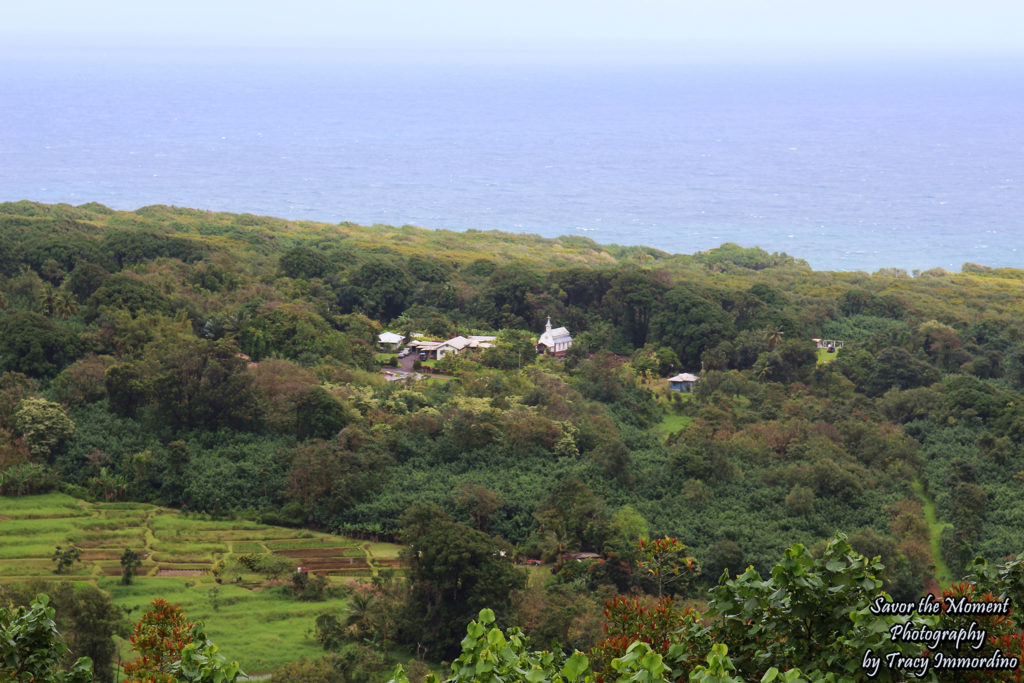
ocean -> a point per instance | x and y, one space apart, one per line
849 168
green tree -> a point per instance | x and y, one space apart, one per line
632 298
613 458
44 425
800 501
31 649
490 655
689 323
627 526
202 383
513 349
328 631
790 361
725 556
65 305
82 381
453 572
47 299
127 293
812 613
65 558
86 278
130 565
894 367
128 387
480 501
86 618
380 289
573 517
318 415
34 345
510 289
303 262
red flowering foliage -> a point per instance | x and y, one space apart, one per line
160 636
666 562
1002 630
631 618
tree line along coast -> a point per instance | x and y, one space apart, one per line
243 367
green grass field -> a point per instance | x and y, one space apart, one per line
670 424
253 621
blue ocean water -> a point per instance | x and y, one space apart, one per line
848 168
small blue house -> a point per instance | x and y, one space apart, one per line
682 382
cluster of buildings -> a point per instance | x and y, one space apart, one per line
436 350
554 341
432 349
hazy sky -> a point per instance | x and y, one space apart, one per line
715 30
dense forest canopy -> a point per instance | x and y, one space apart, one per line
228 364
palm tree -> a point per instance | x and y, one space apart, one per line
772 336
65 305
47 299
358 611
233 324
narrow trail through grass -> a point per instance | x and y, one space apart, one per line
374 570
150 538
935 527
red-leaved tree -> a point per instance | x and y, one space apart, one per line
160 636
659 623
666 562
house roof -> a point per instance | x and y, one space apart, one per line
426 345
390 338
684 377
459 343
475 342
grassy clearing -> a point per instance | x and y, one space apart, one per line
255 622
42 506
297 543
262 629
244 547
935 527
825 357
383 551
537 576
671 424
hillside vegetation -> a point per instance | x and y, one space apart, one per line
227 365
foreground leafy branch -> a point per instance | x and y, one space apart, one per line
31 649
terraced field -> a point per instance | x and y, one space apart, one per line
251 618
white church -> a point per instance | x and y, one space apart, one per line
554 341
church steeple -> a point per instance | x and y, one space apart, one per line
547 327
